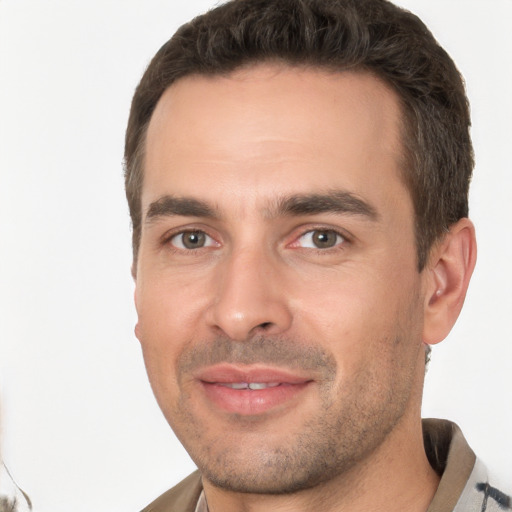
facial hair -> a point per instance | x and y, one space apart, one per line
351 420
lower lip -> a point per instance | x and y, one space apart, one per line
249 402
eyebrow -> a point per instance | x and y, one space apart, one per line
168 206
337 201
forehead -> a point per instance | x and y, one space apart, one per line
270 129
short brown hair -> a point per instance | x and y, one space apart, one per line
339 35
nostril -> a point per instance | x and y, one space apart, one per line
262 329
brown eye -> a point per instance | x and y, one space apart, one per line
191 240
320 239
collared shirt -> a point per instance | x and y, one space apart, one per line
465 485
201 504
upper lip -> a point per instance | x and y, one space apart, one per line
229 373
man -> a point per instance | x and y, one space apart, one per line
297 173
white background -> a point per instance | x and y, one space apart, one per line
81 430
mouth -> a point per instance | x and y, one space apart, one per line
251 390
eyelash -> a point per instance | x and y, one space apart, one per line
339 245
168 239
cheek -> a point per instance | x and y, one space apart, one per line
361 313
168 307
160 350
161 332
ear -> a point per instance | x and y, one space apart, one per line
449 270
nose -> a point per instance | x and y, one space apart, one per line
250 297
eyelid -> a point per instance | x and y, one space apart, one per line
346 237
177 241
168 236
308 237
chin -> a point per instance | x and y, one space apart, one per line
286 467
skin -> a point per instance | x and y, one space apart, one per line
256 291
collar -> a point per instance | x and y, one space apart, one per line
451 457
201 503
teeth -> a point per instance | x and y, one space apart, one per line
237 385
251 385
263 385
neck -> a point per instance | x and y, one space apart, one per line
396 476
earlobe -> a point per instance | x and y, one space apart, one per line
450 267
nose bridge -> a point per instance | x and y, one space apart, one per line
250 294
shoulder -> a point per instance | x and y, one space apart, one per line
465 485
181 498
483 493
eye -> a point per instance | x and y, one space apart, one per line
192 240
320 239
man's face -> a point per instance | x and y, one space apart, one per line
280 308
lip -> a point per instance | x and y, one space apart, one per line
284 388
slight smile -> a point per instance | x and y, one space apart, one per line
250 390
